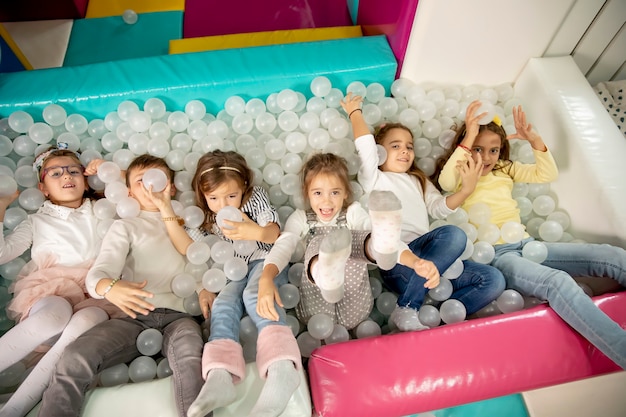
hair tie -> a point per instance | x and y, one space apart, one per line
496 120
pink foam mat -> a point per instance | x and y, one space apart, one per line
406 373
393 18
210 18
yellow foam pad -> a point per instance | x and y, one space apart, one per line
4 34
277 37
106 8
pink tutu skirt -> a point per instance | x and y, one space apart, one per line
66 282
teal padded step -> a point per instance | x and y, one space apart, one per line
106 39
509 406
96 89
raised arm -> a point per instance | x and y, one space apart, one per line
352 106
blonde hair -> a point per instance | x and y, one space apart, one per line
214 169
328 164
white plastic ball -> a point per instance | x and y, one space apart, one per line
109 172
288 121
149 342
155 178
184 285
195 109
142 369
26 177
320 86
543 205
535 251
510 301
512 232
76 123
127 207
114 375
31 199
484 252
129 17
198 253
452 311
320 326
214 280
20 121
551 231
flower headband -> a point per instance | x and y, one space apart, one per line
42 156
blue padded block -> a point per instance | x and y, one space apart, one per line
95 90
109 38
9 62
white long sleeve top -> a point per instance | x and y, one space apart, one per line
57 235
417 204
142 244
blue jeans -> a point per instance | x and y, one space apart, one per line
552 281
228 307
477 286
442 246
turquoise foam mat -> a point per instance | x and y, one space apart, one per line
96 89
509 406
110 39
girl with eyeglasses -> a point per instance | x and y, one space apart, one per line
50 303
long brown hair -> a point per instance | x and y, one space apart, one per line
505 148
379 135
328 164
214 169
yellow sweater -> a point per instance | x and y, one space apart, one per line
495 189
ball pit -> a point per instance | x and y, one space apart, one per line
170 132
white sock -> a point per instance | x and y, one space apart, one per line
329 271
385 211
218 391
282 381
406 319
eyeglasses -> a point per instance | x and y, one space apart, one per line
57 172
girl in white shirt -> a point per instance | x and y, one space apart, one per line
341 239
50 298
478 284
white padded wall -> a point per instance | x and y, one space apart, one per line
587 146
484 42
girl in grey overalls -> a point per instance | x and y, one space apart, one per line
357 302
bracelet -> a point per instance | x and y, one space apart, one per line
178 219
464 148
107 289
350 115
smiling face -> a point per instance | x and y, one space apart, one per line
66 189
326 194
400 154
229 193
487 144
